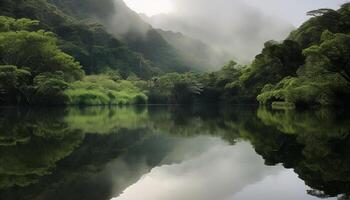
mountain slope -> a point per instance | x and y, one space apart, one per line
311 67
236 29
198 54
128 26
89 43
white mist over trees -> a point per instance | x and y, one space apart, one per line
238 27
229 26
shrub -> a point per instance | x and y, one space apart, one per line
102 90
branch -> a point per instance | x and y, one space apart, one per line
345 76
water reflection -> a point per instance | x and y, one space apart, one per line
320 153
173 153
218 172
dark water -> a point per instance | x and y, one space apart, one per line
173 153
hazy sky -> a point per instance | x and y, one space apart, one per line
290 10
151 7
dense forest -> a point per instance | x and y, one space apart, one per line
57 52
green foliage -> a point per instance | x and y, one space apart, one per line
33 70
50 89
323 80
323 77
336 48
86 8
88 42
274 63
305 92
10 24
222 85
102 90
174 88
99 49
13 83
310 32
37 51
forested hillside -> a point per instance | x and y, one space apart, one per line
311 67
323 78
35 71
198 54
127 25
89 43
102 35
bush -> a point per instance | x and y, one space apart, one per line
102 90
140 99
325 91
86 97
51 92
33 70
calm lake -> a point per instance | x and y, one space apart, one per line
173 153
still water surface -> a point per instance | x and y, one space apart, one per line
173 153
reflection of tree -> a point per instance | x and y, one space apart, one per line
87 139
101 120
79 175
75 145
320 143
193 121
31 144
34 144
33 141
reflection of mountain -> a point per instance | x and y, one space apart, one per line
96 153
222 168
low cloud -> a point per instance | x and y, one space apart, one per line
235 27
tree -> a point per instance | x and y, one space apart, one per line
274 63
37 51
335 48
32 67
10 24
49 89
13 83
175 88
319 12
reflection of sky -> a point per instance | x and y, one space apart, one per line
285 185
219 172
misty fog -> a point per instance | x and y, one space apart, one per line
231 26
230 29
238 27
